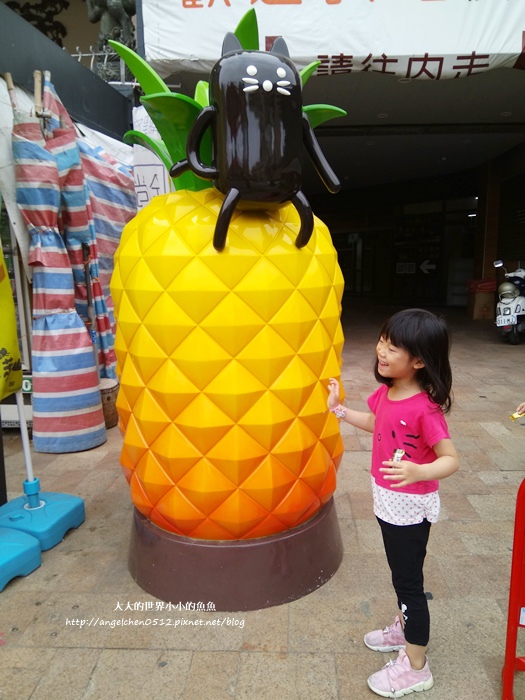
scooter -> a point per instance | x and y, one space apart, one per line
510 309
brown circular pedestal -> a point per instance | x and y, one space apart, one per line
236 575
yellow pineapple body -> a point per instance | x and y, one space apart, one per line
224 359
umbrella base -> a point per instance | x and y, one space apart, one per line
236 575
19 555
55 514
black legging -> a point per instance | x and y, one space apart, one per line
406 547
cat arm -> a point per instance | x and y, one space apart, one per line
192 161
325 172
203 121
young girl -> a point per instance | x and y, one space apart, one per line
411 452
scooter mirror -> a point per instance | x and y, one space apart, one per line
498 263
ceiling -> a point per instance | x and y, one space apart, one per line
398 130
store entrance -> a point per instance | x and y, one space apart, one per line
426 256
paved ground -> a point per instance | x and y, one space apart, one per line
310 649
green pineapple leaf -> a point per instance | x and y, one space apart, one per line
248 31
157 147
173 115
318 114
308 70
148 79
202 93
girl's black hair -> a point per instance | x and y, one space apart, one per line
422 334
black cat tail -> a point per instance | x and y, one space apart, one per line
224 218
307 219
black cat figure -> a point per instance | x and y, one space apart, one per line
258 130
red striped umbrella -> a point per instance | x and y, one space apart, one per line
67 410
80 205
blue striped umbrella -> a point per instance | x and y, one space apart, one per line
97 197
113 204
67 409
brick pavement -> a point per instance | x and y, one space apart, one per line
310 649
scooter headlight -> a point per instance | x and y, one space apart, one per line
518 308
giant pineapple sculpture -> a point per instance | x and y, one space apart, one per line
228 301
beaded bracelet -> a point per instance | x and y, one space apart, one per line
339 411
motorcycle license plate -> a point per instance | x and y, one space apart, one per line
506 320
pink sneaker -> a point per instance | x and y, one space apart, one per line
389 639
397 678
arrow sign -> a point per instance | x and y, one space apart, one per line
426 266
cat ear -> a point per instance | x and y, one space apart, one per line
230 44
279 47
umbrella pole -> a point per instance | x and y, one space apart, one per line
40 112
31 485
11 89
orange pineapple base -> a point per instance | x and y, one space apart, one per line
224 359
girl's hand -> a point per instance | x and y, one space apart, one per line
405 473
334 391
401 473
521 408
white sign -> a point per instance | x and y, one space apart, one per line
149 174
423 39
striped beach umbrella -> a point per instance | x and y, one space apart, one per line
77 227
67 409
113 204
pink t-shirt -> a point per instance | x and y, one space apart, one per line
415 425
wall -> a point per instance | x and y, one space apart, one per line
511 238
81 33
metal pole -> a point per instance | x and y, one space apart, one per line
3 484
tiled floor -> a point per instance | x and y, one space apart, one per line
310 649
